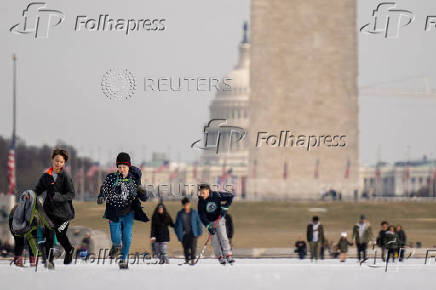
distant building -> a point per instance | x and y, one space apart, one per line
408 179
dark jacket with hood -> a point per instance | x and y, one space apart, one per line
123 195
58 203
209 209
381 238
391 240
402 238
160 224
229 226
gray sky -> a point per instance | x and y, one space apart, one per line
59 78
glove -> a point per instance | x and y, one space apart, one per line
100 200
224 210
212 229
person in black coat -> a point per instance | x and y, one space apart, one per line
391 243
160 234
301 248
230 228
381 238
402 240
58 204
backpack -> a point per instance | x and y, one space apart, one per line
23 219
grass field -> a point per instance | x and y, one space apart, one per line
278 224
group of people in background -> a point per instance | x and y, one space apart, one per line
391 240
122 193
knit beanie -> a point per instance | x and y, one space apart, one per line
123 158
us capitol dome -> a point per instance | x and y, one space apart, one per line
232 106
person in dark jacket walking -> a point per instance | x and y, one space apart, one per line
315 237
58 204
402 240
123 196
213 216
160 235
381 238
188 229
230 228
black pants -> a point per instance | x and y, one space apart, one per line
383 253
189 246
361 248
20 243
400 253
391 254
61 235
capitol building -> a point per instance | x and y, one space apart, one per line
226 168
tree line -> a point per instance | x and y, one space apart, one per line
31 161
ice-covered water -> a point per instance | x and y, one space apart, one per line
208 274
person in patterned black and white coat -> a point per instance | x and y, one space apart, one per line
123 196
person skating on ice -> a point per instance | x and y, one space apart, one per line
123 196
188 229
160 235
58 204
212 213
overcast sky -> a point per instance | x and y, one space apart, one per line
60 97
